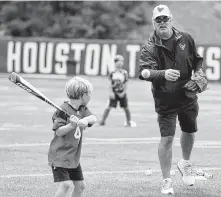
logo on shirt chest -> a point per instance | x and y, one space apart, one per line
118 76
182 46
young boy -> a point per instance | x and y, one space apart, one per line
65 148
118 92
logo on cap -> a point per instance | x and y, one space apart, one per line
160 9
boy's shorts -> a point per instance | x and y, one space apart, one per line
66 174
123 101
187 120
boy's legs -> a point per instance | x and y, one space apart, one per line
128 115
111 103
63 188
61 175
65 177
105 115
79 187
76 175
124 105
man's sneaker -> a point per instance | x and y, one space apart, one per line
167 187
185 169
130 124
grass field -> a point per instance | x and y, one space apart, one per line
114 158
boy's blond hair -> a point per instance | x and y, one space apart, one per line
77 86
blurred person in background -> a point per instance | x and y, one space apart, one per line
118 92
170 61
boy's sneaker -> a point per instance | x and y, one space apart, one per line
130 124
185 169
102 123
167 187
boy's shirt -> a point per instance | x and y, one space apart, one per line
65 151
118 79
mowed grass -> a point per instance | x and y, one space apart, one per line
114 158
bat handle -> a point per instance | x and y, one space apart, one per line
68 115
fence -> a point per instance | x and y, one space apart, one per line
94 57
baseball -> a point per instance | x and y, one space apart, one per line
148 172
145 73
172 173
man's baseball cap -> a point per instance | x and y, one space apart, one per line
161 10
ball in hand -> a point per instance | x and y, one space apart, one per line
145 73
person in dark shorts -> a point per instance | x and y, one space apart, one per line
65 147
118 92
170 61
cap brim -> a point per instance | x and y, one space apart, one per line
161 14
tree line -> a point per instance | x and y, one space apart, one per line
76 19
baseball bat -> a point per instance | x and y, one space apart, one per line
22 83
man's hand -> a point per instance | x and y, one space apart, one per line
172 75
83 123
145 73
191 86
74 120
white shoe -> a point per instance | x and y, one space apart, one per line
130 124
167 187
185 169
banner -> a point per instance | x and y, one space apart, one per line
94 57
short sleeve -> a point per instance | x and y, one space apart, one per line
110 76
126 76
59 119
87 112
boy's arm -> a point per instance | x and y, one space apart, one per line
91 119
60 125
63 130
126 82
87 121
125 85
111 92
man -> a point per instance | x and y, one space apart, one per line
118 92
170 61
